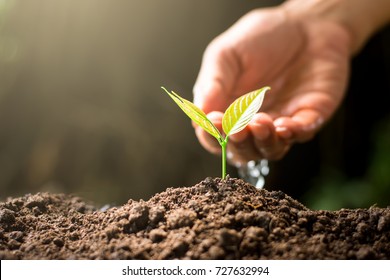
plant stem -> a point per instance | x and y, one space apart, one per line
223 146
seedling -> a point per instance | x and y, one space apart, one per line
236 117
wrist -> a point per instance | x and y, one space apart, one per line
359 18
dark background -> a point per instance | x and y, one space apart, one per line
81 110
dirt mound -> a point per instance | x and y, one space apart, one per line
214 219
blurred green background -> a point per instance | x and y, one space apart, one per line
81 110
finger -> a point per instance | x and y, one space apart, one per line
206 140
262 128
273 148
284 128
301 127
258 141
242 147
309 122
240 136
266 140
239 152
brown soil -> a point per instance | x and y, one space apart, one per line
211 220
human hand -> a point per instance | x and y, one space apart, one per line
304 61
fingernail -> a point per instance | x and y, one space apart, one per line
279 122
283 132
260 131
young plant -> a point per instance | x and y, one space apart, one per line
236 117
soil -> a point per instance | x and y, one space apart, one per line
215 219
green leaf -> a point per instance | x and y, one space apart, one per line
195 114
242 110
